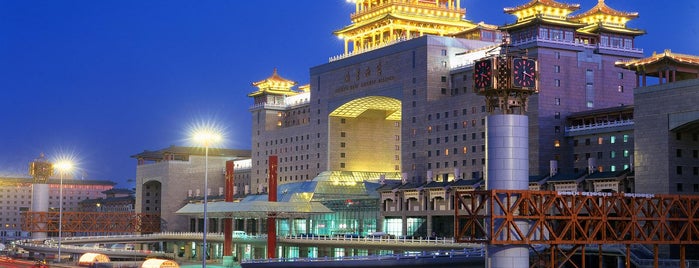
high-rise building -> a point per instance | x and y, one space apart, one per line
400 98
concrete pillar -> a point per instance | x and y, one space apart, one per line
404 225
40 203
507 168
429 225
187 250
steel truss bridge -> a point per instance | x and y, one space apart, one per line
569 222
91 222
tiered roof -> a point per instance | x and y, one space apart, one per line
600 18
274 84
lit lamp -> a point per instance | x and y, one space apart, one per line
62 167
206 137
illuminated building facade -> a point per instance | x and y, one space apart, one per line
410 107
16 197
400 98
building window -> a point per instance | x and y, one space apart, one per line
343 134
444 79
342 145
612 154
612 139
557 115
612 168
695 171
557 82
678 136
446 151
620 89
558 55
678 152
599 155
557 129
342 155
444 52
465 149
587 141
621 75
626 138
695 153
556 68
679 170
600 140
679 187
556 143
557 101
626 153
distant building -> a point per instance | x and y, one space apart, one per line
16 197
166 179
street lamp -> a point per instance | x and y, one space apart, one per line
206 137
62 167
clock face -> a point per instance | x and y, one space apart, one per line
523 73
483 74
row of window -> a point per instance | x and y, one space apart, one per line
464 162
455 113
680 170
601 140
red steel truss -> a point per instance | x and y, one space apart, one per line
576 219
92 222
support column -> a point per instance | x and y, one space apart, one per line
271 218
507 168
429 226
228 222
404 225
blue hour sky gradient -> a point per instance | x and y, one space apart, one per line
104 80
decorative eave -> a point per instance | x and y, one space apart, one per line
395 19
305 88
605 14
666 56
542 7
600 27
541 20
274 84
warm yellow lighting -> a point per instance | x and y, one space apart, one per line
207 137
63 166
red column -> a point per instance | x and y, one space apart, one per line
271 218
228 222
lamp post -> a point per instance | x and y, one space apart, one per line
62 167
206 137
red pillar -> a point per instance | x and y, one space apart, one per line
271 218
228 222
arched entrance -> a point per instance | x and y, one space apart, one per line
364 134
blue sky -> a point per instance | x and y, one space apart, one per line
104 80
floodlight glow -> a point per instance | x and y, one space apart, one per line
64 166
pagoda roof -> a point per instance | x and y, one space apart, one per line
274 78
542 20
602 27
602 9
274 84
464 24
666 56
546 3
607 175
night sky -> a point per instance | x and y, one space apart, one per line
104 80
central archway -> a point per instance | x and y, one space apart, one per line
364 134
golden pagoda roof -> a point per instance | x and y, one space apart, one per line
667 55
393 12
542 7
602 9
274 84
600 27
305 88
542 20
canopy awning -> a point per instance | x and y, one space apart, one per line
253 209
